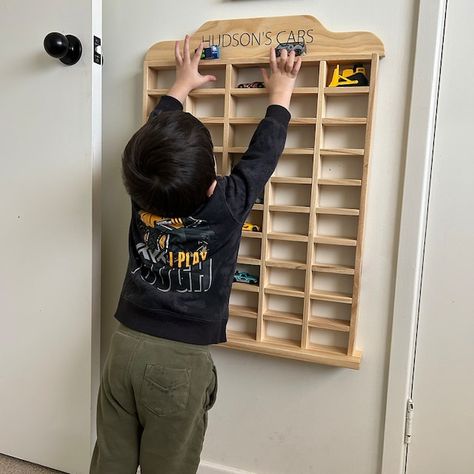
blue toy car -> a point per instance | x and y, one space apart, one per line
244 277
213 52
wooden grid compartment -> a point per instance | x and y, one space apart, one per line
307 253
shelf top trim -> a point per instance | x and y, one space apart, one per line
252 38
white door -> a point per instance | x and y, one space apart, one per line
443 376
49 234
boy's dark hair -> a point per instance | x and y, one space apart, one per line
168 164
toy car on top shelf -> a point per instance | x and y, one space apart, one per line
298 47
251 227
244 277
212 52
251 85
350 77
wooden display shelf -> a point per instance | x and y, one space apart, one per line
283 317
339 182
342 91
248 260
207 92
341 152
290 180
245 287
240 335
324 239
212 120
262 91
224 109
287 236
258 62
335 296
242 311
337 211
282 208
284 290
290 264
328 268
329 323
326 355
251 234
334 122
281 341
210 92
286 151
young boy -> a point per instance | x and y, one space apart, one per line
159 380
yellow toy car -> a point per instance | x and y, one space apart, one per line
251 227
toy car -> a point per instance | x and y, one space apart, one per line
244 277
298 47
251 227
213 52
350 77
251 85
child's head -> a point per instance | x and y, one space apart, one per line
168 164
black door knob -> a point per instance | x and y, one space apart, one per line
66 48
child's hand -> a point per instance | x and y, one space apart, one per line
187 74
283 72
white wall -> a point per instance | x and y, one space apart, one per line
273 415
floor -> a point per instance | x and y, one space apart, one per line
10 465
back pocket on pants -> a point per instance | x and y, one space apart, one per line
165 390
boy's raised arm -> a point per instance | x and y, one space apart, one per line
248 177
187 79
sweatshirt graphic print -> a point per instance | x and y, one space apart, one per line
174 253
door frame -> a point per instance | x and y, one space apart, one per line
96 187
413 220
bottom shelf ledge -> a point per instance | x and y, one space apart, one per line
318 354
240 336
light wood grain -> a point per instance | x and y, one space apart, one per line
339 182
283 317
297 91
290 264
363 201
329 323
341 45
242 311
290 180
335 296
331 268
326 355
296 209
284 290
337 211
337 121
322 55
328 240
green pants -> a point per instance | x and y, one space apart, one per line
152 405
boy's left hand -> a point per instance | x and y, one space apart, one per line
187 74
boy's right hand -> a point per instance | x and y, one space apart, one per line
188 76
281 81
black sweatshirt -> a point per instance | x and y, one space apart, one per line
180 270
